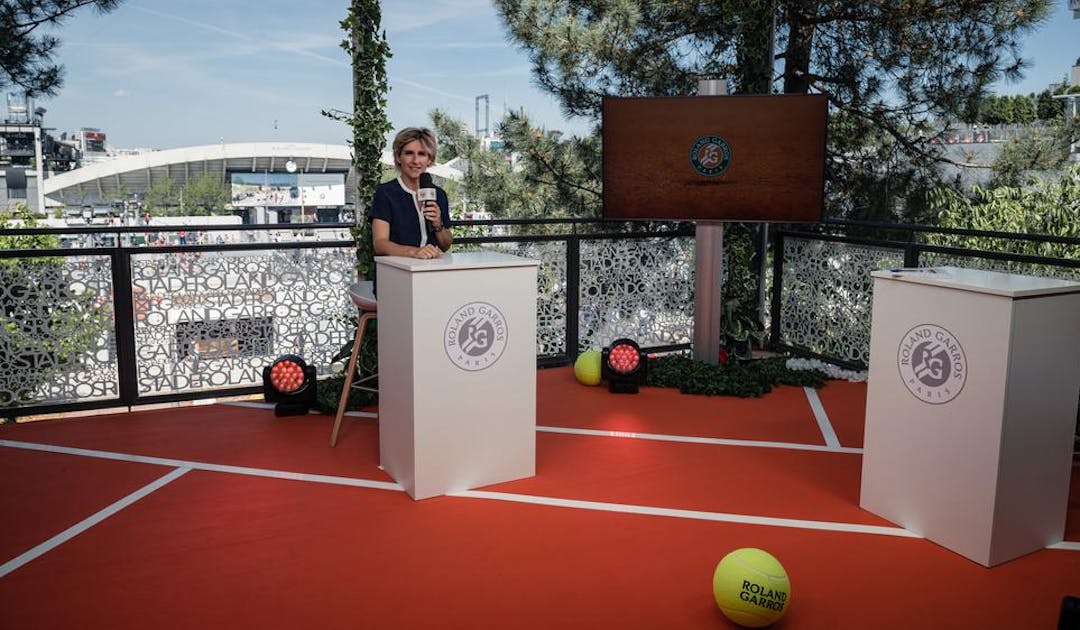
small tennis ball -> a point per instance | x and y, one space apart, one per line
751 587
587 367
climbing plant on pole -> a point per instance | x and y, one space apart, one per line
368 51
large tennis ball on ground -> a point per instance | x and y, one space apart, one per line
587 367
751 587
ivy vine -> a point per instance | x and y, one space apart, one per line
368 51
739 318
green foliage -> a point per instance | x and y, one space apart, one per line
45 323
887 68
538 173
328 396
739 378
162 195
1008 110
368 51
561 176
1038 149
330 389
1047 107
739 319
24 218
490 183
26 51
205 195
1020 110
1049 207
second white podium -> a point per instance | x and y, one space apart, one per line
971 408
457 370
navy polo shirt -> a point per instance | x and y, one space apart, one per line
396 204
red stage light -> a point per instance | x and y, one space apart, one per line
623 366
624 358
286 376
289 382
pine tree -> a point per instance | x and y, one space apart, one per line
892 70
26 52
537 173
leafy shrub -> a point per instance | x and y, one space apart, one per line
744 379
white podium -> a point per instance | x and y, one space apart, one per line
457 370
971 407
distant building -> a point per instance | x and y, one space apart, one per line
283 178
90 143
20 153
95 183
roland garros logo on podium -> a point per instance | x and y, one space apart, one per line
475 336
710 155
932 364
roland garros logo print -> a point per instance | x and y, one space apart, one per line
475 336
932 364
710 155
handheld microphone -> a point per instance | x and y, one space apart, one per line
426 192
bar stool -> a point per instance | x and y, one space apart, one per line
362 295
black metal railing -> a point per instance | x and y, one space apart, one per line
148 323
821 289
165 321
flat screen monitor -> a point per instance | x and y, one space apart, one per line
714 158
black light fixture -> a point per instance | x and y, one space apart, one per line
289 382
1069 618
624 366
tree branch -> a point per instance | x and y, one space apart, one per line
559 180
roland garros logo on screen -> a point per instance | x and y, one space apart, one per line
932 364
475 336
710 155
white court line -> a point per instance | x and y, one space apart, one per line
822 418
236 470
626 508
87 523
500 496
253 405
702 440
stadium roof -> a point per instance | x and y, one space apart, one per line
120 177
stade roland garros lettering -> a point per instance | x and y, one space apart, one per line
475 336
759 595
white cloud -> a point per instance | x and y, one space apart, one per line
522 70
397 20
121 93
427 88
453 45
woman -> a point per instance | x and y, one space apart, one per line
400 226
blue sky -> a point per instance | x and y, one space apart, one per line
163 74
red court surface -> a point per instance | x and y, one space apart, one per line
257 523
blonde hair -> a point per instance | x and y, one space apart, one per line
407 135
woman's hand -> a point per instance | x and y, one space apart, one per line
431 213
427 251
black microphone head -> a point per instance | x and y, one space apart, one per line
426 181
